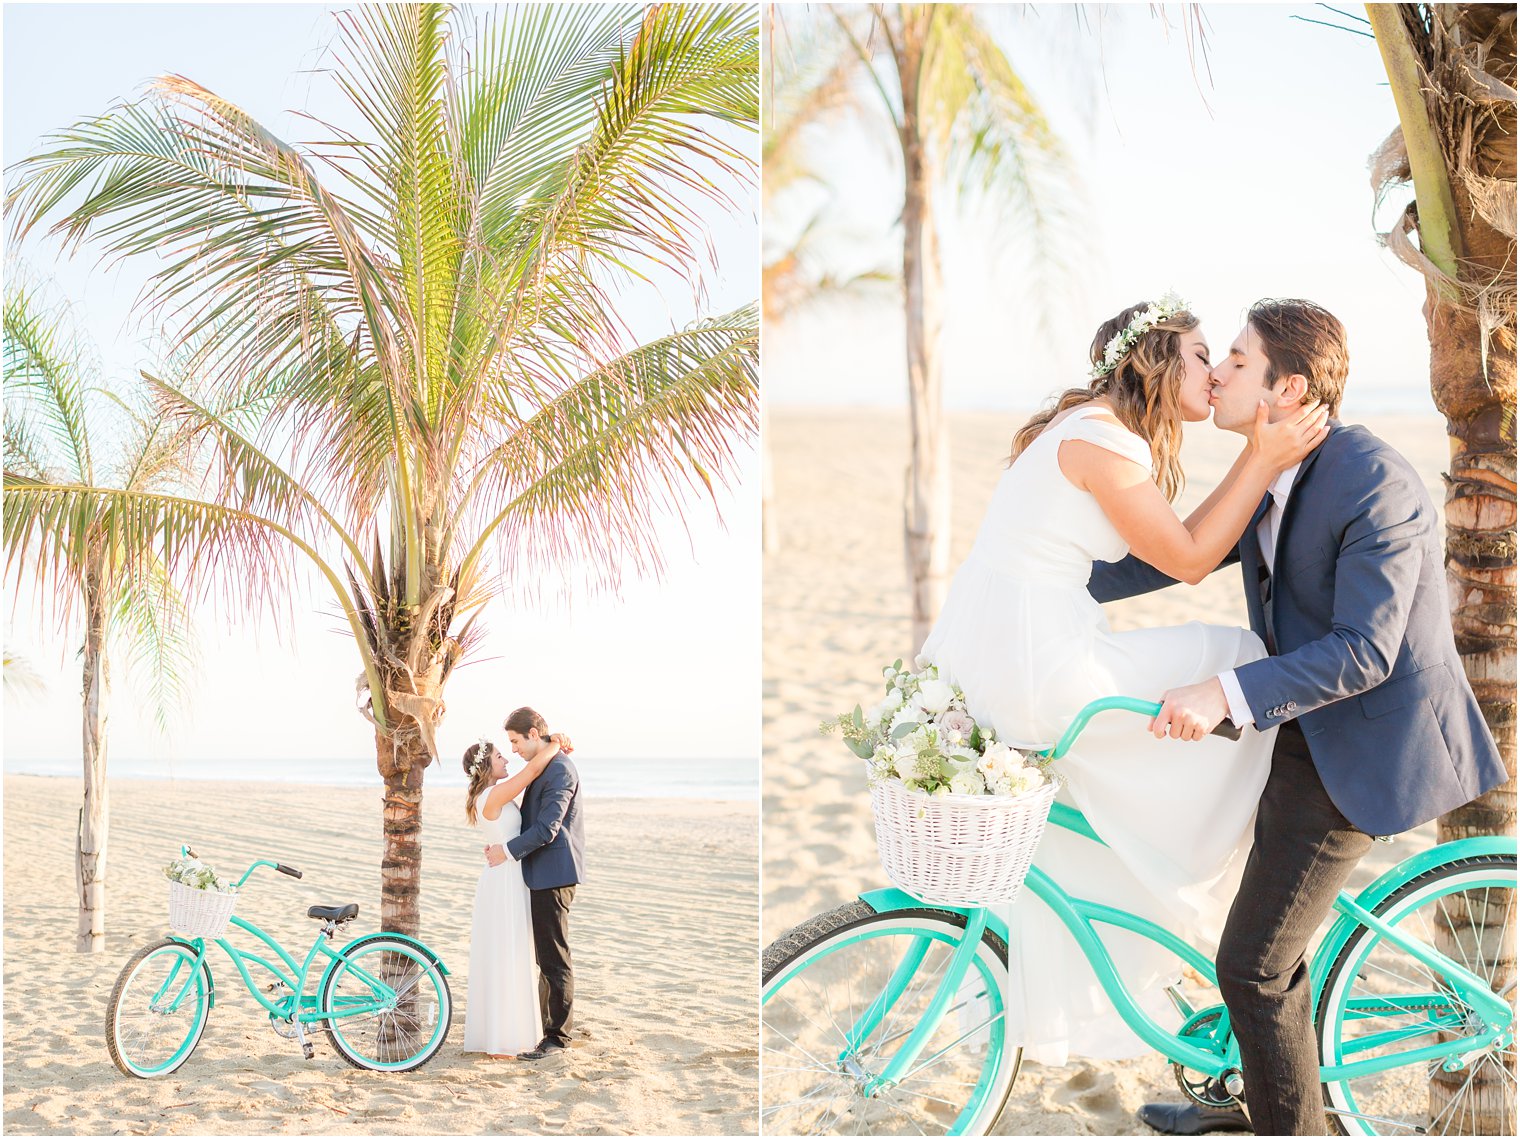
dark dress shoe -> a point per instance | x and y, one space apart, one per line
1190 1119
545 1048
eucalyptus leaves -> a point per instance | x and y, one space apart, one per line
192 872
921 733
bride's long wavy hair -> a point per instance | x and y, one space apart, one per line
1145 388
479 773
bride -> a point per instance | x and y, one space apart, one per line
1091 479
501 1018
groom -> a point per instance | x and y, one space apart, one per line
1379 731
551 848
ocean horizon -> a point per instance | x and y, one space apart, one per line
601 777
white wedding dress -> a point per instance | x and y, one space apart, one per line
1022 637
501 1016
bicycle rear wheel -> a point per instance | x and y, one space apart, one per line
1379 1002
829 975
387 1005
158 1009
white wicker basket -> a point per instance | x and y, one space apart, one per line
963 850
199 913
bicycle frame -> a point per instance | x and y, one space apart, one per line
299 1006
1081 917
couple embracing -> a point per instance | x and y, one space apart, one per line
1357 718
535 856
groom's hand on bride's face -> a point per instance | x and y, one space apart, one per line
495 854
1191 713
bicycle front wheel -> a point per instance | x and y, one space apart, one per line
1379 1003
158 1009
840 995
387 1005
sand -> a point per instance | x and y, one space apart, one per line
835 611
663 934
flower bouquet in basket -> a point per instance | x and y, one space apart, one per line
200 903
958 812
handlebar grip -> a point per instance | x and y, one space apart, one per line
1226 729
283 869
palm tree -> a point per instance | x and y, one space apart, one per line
62 430
414 365
964 123
1451 68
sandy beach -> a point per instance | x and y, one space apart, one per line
663 934
836 610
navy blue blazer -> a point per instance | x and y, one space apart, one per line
552 845
1365 656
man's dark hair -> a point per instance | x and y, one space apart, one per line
1301 338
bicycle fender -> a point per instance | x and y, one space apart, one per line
433 958
1389 882
892 899
210 976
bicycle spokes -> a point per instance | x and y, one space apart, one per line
869 1038
1414 1051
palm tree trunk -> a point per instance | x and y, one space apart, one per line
1480 569
926 505
402 760
1477 397
90 839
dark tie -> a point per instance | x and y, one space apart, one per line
1264 586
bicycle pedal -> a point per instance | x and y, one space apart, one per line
308 1051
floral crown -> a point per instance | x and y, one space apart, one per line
483 749
1142 322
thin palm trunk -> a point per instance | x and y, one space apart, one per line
926 506
90 841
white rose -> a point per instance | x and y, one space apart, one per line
967 783
936 695
905 716
1027 779
962 759
941 790
891 700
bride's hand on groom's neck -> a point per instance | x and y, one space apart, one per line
1279 444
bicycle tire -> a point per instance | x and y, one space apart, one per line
352 1043
829 934
1355 971
116 1010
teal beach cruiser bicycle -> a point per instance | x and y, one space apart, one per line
382 999
886 1016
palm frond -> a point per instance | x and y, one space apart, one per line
48 527
46 371
151 619
21 676
583 476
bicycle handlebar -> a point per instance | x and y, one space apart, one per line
186 852
1122 704
281 867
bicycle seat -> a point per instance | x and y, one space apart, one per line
334 913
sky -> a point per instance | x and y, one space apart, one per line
1237 178
669 668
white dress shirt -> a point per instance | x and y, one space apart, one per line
1266 537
